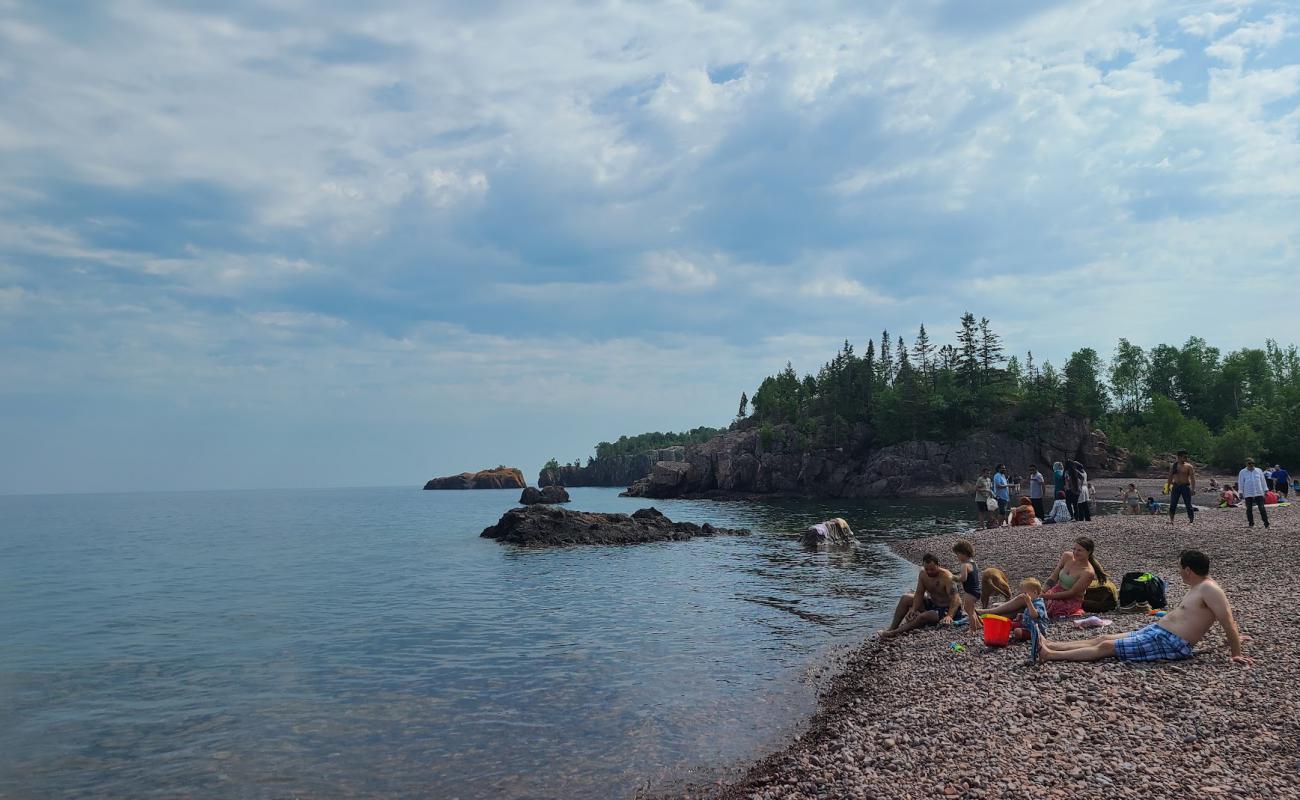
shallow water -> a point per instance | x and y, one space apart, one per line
368 643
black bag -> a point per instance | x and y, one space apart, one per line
1137 587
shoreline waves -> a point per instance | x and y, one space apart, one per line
911 718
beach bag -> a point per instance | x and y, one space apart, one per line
1101 597
991 503
1142 587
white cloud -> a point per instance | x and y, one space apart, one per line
672 272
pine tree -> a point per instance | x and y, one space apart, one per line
744 406
990 349
886 360
923 352
968 364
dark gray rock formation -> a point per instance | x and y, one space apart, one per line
744 462
547 494
499 478
617 471
545 526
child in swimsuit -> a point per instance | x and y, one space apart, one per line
967 578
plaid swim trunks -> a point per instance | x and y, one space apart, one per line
1152 643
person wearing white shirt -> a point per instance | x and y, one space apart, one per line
1083 506
1252 484
1060 511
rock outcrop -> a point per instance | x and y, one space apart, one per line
751 462
499 478
617 471
547 494
833 532
544 526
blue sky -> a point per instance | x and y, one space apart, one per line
324 243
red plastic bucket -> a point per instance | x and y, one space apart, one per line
997 630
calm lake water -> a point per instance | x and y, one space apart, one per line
367 643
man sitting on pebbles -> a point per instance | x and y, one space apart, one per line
1171 638
934 601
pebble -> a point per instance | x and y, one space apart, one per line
1107 729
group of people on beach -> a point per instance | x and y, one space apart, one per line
945 597
1072 495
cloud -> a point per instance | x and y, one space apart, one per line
670 271
461 212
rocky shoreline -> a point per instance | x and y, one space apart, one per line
914 719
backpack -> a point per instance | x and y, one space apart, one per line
1137 587
1101 597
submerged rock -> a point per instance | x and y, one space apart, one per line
546 494
543 526
499 478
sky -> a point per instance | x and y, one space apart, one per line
313 244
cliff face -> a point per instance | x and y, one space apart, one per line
499 478
618 471
740 462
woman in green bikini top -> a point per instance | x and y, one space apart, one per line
1076 572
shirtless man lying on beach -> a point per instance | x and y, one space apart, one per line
934 601
1171 638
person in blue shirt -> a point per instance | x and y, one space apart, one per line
1282 481
1002 491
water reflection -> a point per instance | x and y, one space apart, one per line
368 643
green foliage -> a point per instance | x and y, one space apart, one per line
1152 402
1237 443
632 445
551 464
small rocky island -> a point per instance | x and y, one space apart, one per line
543 526
499 478
547 494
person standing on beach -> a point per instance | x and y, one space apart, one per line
1002 491
1253 487
1171 638
1182 480
983 491
1058 478
1073 475
1036 490
1083 506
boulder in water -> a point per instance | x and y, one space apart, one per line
545 526
547 494
831 532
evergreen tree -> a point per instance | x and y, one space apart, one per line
968 364
886 359
990 350
744 406
923 352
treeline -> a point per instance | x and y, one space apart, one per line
633 445
1218 407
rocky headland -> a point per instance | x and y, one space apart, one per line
499 478
547 494
616 471
545 526
774 461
